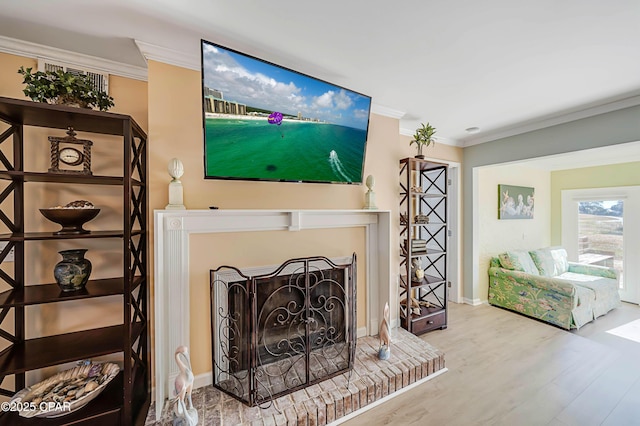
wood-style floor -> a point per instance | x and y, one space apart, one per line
506 369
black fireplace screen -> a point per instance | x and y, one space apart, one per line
278 332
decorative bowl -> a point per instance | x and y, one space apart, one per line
71 220
50 398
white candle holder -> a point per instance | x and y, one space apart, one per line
176 195
370 196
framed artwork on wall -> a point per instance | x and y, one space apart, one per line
515 202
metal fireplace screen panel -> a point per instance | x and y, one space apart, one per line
277 332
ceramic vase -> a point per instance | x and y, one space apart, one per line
73 271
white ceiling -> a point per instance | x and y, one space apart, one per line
501 65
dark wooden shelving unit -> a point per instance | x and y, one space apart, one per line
126 399
423 191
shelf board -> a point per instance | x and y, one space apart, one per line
51 293
65 178
424 195
43 352
422 164
428 195
39 236
29 113
427 312
423 253
106 407
428 280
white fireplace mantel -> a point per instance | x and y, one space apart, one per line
171 266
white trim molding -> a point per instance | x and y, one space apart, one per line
386 111
474 302
168 56
439 139
173 228
38 51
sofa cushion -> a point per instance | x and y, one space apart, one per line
551 261
606 292
518 260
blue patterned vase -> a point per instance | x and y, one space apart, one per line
72 272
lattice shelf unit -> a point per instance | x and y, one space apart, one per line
423 245
126 399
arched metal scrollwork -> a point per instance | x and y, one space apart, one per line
278 332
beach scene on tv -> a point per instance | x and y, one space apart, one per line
262 121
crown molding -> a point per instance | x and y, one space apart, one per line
168 56
554 121
386 111
439 139
38 51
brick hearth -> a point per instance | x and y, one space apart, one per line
412 360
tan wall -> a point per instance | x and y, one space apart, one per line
10 81
175 123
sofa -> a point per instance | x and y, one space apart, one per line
543 284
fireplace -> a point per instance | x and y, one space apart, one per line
173 232
275 332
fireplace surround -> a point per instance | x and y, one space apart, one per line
173 229
280 331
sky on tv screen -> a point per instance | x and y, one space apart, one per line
262 85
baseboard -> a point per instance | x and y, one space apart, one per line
473 302
202 380
361 332
386 398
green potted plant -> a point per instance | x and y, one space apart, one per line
62 87
423 137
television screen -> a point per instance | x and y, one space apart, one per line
267 122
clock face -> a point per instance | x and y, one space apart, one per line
71 156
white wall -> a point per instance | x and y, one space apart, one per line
496 236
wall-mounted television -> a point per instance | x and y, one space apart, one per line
267 122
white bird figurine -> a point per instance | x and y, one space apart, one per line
183 415
384 334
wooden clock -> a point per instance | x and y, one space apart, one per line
69 152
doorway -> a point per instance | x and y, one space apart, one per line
597 229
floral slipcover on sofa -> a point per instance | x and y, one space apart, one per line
544 285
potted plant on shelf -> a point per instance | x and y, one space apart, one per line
63 87
423 137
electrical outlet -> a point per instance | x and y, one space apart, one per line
9 257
